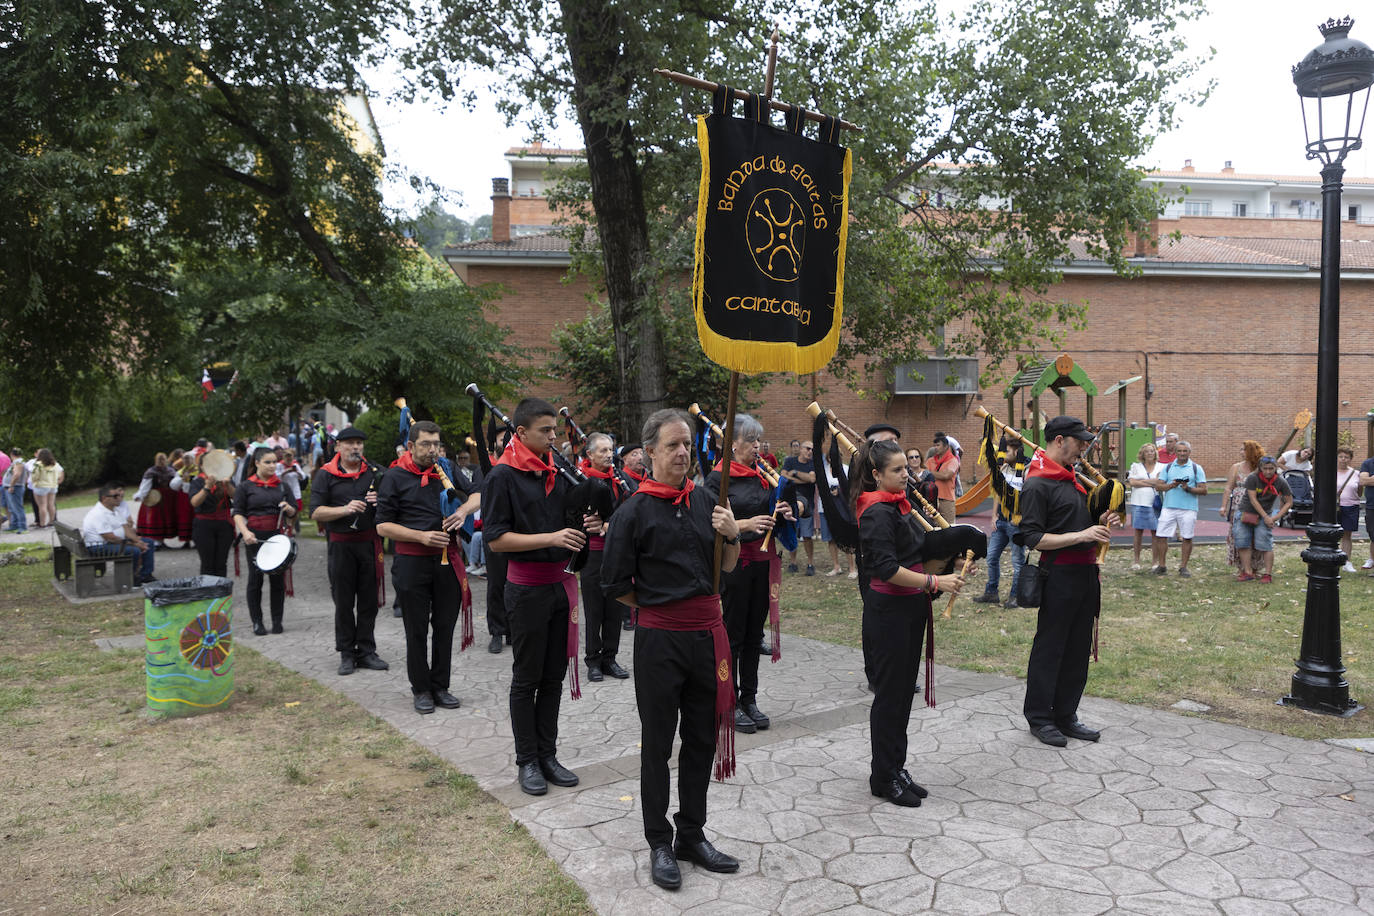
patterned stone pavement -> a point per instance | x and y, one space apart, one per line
1168 814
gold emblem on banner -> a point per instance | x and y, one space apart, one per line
773 591
776 232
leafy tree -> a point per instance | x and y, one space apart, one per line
436 228
235 211
1039 106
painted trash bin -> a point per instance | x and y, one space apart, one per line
189 644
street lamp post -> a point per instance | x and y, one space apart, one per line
1333 83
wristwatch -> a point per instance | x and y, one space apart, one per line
732 541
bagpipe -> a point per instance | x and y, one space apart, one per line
786 530
585 498
1104 495
577 439
451 498
942 538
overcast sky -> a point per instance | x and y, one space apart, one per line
1251 118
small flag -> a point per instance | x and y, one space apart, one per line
206 385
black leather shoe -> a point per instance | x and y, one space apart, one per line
447 700
986 598
766 648
259 629
613 668
1076 729
707 856
743 722
594 673
494 647
917 789
663 868
424 704
1010 602
531 780
895 791
276 628
751 709
556 773
373 662
1050 735
347 663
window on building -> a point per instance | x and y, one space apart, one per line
1197 208
1237 208
1354 211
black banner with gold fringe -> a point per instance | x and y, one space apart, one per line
772 219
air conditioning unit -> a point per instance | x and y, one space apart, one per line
938 375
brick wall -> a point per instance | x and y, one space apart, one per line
1229 359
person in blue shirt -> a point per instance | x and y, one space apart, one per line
1181 482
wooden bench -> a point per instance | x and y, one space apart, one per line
72 552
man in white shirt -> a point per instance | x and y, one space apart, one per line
108 531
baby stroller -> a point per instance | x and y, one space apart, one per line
1300 515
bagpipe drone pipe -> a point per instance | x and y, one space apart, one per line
786 529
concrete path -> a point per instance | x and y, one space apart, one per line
1168 814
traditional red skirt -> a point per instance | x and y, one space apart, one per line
159 522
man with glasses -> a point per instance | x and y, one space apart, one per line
109 531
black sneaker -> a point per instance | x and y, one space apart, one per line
986 598
347 663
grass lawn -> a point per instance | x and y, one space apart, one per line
293 799
1210 639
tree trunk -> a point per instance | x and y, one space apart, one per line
594 34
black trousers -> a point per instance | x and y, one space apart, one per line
744 602
498 624
430 598
353 583
600 616
1058 668
894 628
539 640
213 538
675 674
276 589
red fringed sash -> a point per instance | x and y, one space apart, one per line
703 613
526 572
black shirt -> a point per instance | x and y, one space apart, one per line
401 500
889 541
747 499
329 489
515 501
660 551
216 501
1051 507
253 500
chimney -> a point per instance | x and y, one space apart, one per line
1188 165
500 209
1148 247
1227 169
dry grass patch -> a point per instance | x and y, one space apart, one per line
293 799
1210 639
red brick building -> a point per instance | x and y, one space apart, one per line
1221 321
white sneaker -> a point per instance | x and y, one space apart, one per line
1368 564
1348 568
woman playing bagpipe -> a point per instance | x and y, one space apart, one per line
897 606
603 617
749 592
261 507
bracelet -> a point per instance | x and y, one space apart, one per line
731 541
932 584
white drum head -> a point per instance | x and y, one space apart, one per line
274 553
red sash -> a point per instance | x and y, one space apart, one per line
752 552
526 572
703 613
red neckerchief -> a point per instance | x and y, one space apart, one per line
335 467
518 455
1043 466
872 497
636 477
1269 488
743 470
591 471
663 491
269 483
407 463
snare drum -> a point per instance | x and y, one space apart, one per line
276 554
